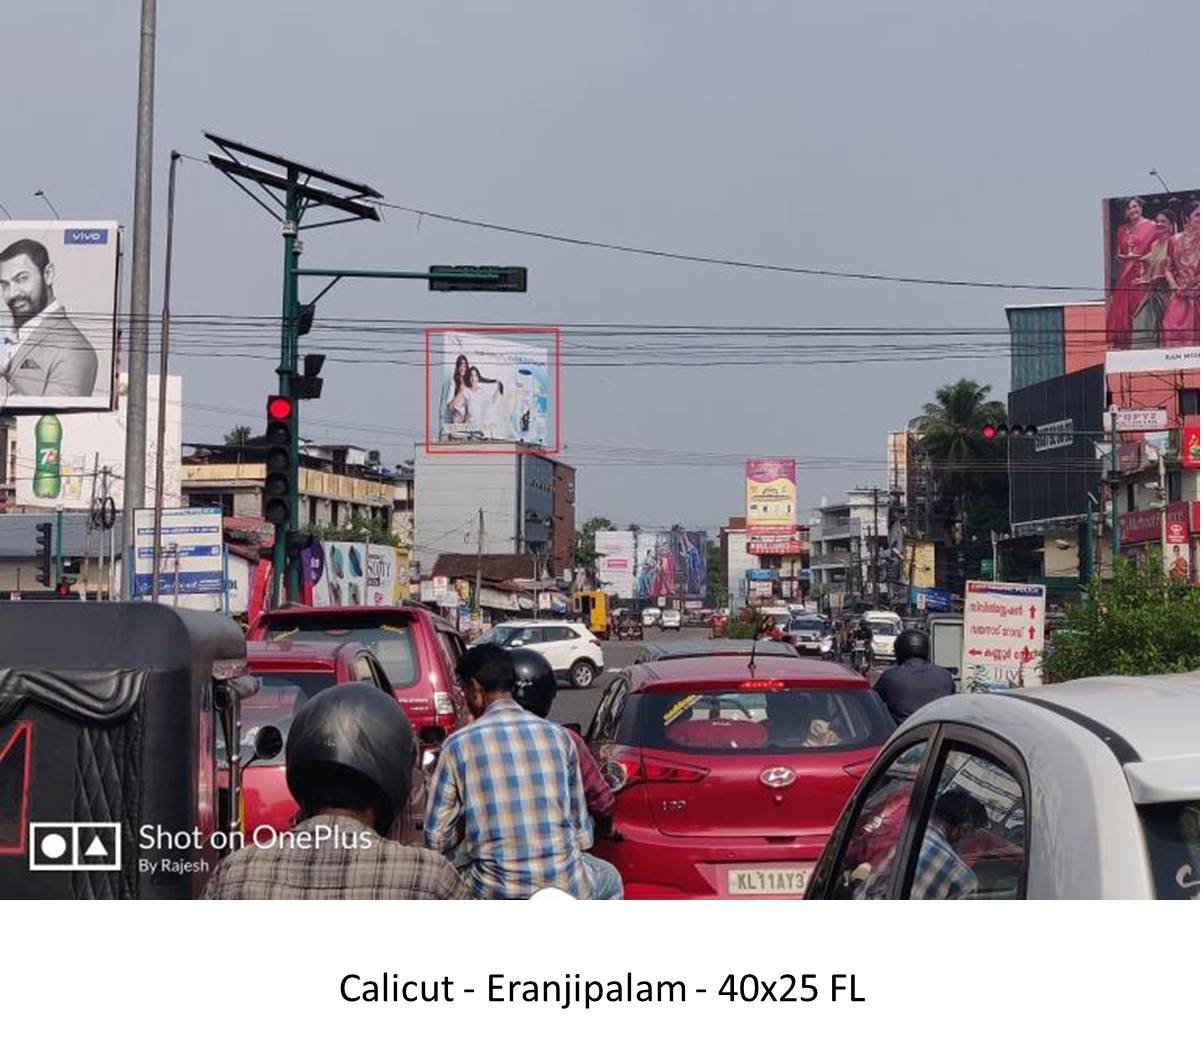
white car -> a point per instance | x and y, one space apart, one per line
1088 789
886 627
670 620
651 616
573 651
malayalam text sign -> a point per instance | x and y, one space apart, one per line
1003 635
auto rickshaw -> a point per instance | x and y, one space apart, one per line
593 609
112 716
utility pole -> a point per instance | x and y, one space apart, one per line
58 546
1114 490
876 548
164 343
139 303
479 561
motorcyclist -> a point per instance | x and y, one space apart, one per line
861 635
914 681
348 762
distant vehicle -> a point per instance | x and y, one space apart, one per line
946 634
417 648
1087 789
670 620
630 629
886 626
571 649
651 616
593 609
811 635
715 647
290 673
727 781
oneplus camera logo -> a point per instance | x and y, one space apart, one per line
75 847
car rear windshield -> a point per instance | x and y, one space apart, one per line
280 695
751 721
817 626
1171 831
390 638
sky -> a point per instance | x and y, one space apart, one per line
952 139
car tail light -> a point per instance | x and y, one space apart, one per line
443 703
628 767
763 683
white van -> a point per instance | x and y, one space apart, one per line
886 626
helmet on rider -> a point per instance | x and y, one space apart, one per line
911 644
535 686
351 746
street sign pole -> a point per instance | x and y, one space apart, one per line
286 576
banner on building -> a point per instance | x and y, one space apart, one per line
1151 275
1175 546
60 457
775 544
1132 362
1189 443
348 573
58 281
771 495
1140 419
647 565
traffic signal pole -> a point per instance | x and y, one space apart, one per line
287 576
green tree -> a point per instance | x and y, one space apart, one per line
237 436
360 528
715 579
1142 622
584 547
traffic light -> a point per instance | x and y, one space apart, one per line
63 588
277 487
1002 431
45 553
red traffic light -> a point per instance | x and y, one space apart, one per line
989 432
279 408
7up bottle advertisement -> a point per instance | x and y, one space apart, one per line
47 475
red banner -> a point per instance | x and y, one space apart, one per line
1137 527
1189 443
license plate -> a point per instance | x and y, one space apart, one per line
767 880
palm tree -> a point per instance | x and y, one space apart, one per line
237 436
950 428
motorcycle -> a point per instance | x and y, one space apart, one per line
861 656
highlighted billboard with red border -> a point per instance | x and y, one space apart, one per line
492 390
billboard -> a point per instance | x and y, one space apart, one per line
771 495
58 327
356 573
58 453
646 565
1051 475
191 557
1151 271
775 544
491 389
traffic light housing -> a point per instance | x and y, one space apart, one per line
1002 431
45 553
277 486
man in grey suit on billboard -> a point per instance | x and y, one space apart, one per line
44 353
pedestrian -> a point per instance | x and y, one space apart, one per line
914 681
508 804
348 762
941 874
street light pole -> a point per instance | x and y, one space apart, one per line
1114 489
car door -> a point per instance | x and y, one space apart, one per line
866 855
557 644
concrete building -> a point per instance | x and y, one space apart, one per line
563 519
515 491
849 548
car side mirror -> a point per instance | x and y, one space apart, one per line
269 741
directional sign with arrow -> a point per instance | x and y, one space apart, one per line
1003 635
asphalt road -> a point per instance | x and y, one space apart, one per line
577 706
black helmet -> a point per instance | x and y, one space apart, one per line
352 735
911 644
535 686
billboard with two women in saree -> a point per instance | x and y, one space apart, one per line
1152 272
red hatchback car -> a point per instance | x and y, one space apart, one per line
290 673
418 649
728 777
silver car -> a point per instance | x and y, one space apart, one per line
1088 789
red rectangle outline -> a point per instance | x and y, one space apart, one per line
23 810
492 329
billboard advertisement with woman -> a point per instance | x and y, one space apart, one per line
1152 271
492 390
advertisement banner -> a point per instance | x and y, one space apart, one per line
191 557
1151 273
1175 549
652 565
931 599
1003 636
615 562
1139 527
1133 362
493 389
918 564
1189 443
776 544
343 579
58 327
771 499
1140 419
57 454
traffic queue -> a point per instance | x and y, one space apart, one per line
372 754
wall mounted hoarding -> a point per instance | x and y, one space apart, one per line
1151 271
646 565
775 544
58 328
58 454
771 495
356 573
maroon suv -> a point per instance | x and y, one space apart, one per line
419 651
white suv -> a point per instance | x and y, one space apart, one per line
572 649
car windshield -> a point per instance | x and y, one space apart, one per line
391 638
1171 832
884 627
280 695
748 721
814 626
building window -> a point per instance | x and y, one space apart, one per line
1130 497
312 511
1187 401
1173 484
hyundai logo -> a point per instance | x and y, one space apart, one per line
778 777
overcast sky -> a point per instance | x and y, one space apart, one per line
947 139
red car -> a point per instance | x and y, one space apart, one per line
291 672
418 649
728 777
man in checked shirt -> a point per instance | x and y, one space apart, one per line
508 801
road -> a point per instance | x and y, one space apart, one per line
577 706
